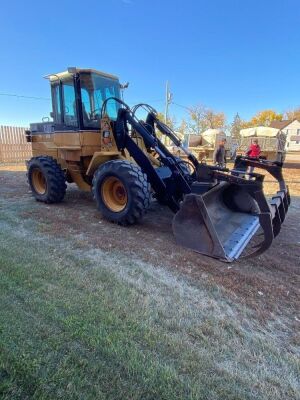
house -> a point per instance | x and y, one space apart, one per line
291 128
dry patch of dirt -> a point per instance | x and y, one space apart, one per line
14 167
292 178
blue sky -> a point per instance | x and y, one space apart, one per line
233 56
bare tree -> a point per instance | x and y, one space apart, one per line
293 114
202 118
171 120
197 117
183 128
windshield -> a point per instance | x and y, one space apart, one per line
94 90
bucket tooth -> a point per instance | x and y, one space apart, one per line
275 211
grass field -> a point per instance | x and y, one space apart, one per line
81 321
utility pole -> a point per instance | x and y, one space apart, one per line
168 101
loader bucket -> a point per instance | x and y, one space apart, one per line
221 222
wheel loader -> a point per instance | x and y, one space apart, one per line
97 141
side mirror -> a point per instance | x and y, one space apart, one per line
52 114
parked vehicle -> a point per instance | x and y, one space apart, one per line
271 142
96 141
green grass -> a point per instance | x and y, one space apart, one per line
79 323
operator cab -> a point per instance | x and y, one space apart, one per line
77 98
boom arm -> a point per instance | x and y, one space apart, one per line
165 189
165 130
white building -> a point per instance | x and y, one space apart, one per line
291 128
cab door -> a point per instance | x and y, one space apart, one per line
70 115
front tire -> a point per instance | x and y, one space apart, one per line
121 191
46 179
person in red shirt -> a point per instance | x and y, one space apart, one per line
254 151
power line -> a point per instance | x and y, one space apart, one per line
47 98
147 101
25 97
180 105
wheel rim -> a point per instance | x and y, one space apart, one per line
38 181
114 194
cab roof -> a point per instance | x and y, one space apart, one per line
70 72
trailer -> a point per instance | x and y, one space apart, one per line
204 145
271 141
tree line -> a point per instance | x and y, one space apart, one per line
201 118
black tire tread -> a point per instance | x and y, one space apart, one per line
139 186
56 180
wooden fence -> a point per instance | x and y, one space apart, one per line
13 145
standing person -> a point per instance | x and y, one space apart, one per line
220 155
254 151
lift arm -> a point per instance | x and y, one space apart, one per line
165 189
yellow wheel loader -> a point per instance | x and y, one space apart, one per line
97 141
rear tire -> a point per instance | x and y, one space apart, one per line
46 179
121 191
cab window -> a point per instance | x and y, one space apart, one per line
69 102
95 89
86 101
56 104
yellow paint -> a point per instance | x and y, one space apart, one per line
114 194
82 152
78 179
99 158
